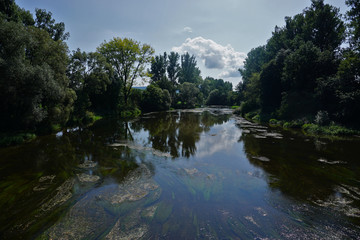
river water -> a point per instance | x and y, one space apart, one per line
195 174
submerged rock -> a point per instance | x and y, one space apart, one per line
49 178
111 205
87 177
341 204
251 219
44 183
191 171
117 234
149 212
64 193
88 164
85 220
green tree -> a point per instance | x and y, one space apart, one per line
128 58
35 91
9 11
89 75
189 72
189 95
158 68
324 26
216 91
45 21
353 15
270 83
155 99
173 67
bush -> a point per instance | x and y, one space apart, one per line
248 106
274 122
7 140
322 118
237 111
252 115
130 113
155 99
298 123
328 130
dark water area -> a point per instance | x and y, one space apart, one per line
197 174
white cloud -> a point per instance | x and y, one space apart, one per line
187 30
214 55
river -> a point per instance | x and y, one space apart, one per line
187 174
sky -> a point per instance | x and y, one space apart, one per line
218 32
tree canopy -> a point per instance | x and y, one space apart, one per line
128 58
300 72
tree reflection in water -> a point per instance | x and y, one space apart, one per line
178 132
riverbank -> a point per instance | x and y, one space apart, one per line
330 129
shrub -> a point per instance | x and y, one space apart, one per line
273 121
322 118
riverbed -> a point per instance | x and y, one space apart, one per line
183 174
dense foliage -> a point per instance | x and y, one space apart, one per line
34 89
303 72
185 84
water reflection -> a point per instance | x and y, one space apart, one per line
178 132
134 179
320 172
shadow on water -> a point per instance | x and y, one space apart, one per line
317 171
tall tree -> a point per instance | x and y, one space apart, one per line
45 21
34 88
89 75
189 72
9 11
324 26
173 67
158 68
353 15
128 58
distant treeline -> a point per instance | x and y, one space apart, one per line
44 88
308 71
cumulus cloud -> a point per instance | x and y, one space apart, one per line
187 30
214 55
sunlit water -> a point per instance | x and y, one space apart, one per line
199 174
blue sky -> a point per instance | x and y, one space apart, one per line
218 32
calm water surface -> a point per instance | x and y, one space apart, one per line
199 174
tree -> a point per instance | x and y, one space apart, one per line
173 67
254 61
270 83
216 91
45 21
155 99
324 26
128 58
190 95
188 71
9 11
35 91
158 68
89 75
353 15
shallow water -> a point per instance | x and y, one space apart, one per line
196 174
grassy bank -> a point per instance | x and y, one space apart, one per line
330 129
